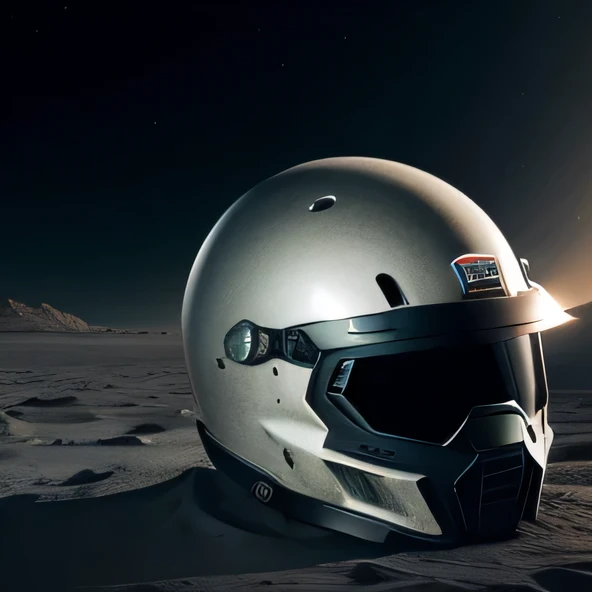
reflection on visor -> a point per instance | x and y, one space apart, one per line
427 395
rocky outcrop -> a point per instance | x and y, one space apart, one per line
15 316
100 329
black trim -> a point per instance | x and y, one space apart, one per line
446 510
493 492
485 320
298 506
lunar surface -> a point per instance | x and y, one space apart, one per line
104 485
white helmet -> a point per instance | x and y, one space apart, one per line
364 351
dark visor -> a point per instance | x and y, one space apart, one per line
427 394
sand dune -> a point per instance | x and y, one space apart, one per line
127 500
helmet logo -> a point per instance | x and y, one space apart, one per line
375 451
262 491
479 275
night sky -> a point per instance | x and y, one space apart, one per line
127 129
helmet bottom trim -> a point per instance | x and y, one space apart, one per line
318 513
290 503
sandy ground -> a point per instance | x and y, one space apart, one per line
104 485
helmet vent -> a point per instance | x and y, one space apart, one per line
322 203
393 294
288 458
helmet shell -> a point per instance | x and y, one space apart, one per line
278 262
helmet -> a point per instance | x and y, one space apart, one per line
364 351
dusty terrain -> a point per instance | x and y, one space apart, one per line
104 485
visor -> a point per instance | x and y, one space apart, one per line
416 372
427 395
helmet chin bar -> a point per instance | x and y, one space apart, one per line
286 501
495 483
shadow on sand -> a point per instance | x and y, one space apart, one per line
198 524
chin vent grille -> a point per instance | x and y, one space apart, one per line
371 489
492 494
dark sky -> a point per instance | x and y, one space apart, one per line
127 128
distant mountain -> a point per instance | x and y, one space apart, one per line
15 316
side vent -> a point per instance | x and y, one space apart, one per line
391 290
